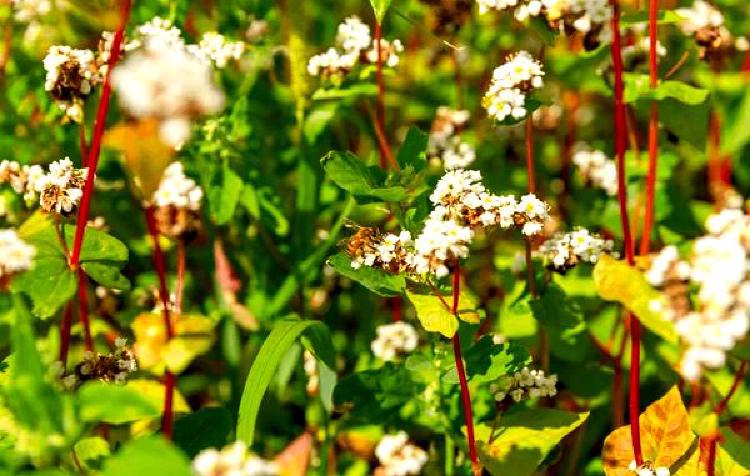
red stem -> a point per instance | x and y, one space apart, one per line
158 261
83 310
96 140
711 460
653 131
738 377
65 326
180 284
396 308
620 143
465 395
380 107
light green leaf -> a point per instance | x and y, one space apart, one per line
435 316
90 450
380 7
115 404
638 86
411 153
150 455
616 281
376 280
285 332
224 195
351 174
523 439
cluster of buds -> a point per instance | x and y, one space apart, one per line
113 367
563 251
462 206
232 460
369 247
393 340
450 15
648 469
16 256
705 24
445 145
398 457
166 80
597 168
22 179
511 83
718 268
71 77
590 17
178 203
524 385
355 46
310 365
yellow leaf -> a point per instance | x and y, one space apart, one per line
153 390
193 336
434 313
665 437
616 281
146 156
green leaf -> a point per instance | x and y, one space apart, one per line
664 17
735 133
149 455
523 439
638 86
376 394
115 404
50 283
616 281
351 174
434 315
90 450
285 332
106 274
224 195
380 7
733 458
376 280
487 361
207 428
562 317
411 153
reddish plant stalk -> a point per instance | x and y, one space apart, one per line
620 143
711 460
738 377
653 131
65 326
380 107
158 261
180 284
96 139
465 395
83 310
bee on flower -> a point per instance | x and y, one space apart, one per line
563 251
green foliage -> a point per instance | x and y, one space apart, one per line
351 174
376 280
434 311
145 456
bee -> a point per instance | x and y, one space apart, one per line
361 240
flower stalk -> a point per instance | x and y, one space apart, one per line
620 144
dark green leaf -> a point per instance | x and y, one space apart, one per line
209 427
351 174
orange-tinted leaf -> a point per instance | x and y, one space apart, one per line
665 437
295 458
146 156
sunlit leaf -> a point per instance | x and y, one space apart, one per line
193 336
435 315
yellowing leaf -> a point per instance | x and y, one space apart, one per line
665 437
435 316
194 335
146 156
153 391
616 281
295 458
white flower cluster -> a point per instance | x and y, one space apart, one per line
15 254
71 75
445 144
177 190
461 206
522 9
393 340
217 49
356 46
22 178
597 168
525 384
582 15
164 79
60 190
648 469
718 267
232 460
564 250
642 46
587 15
511 82
398 457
